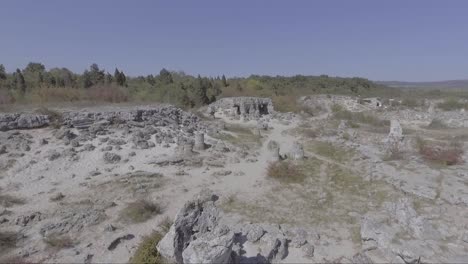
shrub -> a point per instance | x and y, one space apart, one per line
447 155
411 102
140 211
42 95
359 117
59 241
451 104
108 93
5 97
147 252
285 171
286 103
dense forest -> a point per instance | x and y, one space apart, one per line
36 84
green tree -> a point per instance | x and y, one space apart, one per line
120 77
86 80
3 75
165 76
34 74
20 83
223 79
96 75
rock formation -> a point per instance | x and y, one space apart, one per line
246 107
201 233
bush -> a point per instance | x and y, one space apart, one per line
447 155
146 251
285 171
359 117
451 104
140 211
411 102
286 103
108 93
42 95
5 97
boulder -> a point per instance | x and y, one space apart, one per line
111 158
196 235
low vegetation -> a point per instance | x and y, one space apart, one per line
286 172
59 241
140 211
451 104
445 154
358 117
147 252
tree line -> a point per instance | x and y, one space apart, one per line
36 83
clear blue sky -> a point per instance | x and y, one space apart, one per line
381 40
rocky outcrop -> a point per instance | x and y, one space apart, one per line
202 233
22 121
160 115
196 235
247 107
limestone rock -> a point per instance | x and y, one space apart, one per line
111 157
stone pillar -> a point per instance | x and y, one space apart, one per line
187 149
297 152
199 141
273 154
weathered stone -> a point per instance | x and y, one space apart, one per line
196 236
254 233
111 157
199 142
297 152
247 107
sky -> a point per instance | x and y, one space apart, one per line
419 40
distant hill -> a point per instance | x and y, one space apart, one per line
443 85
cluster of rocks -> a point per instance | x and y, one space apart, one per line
245 107
201 234
22 121
162 115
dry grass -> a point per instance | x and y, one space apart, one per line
358 117
286 172
445 154
240 135
329 150
140 211
59 241
146 251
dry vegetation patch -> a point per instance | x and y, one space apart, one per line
441 153
286 172
147 252
140 211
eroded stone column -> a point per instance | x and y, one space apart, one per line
297 152
199 141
